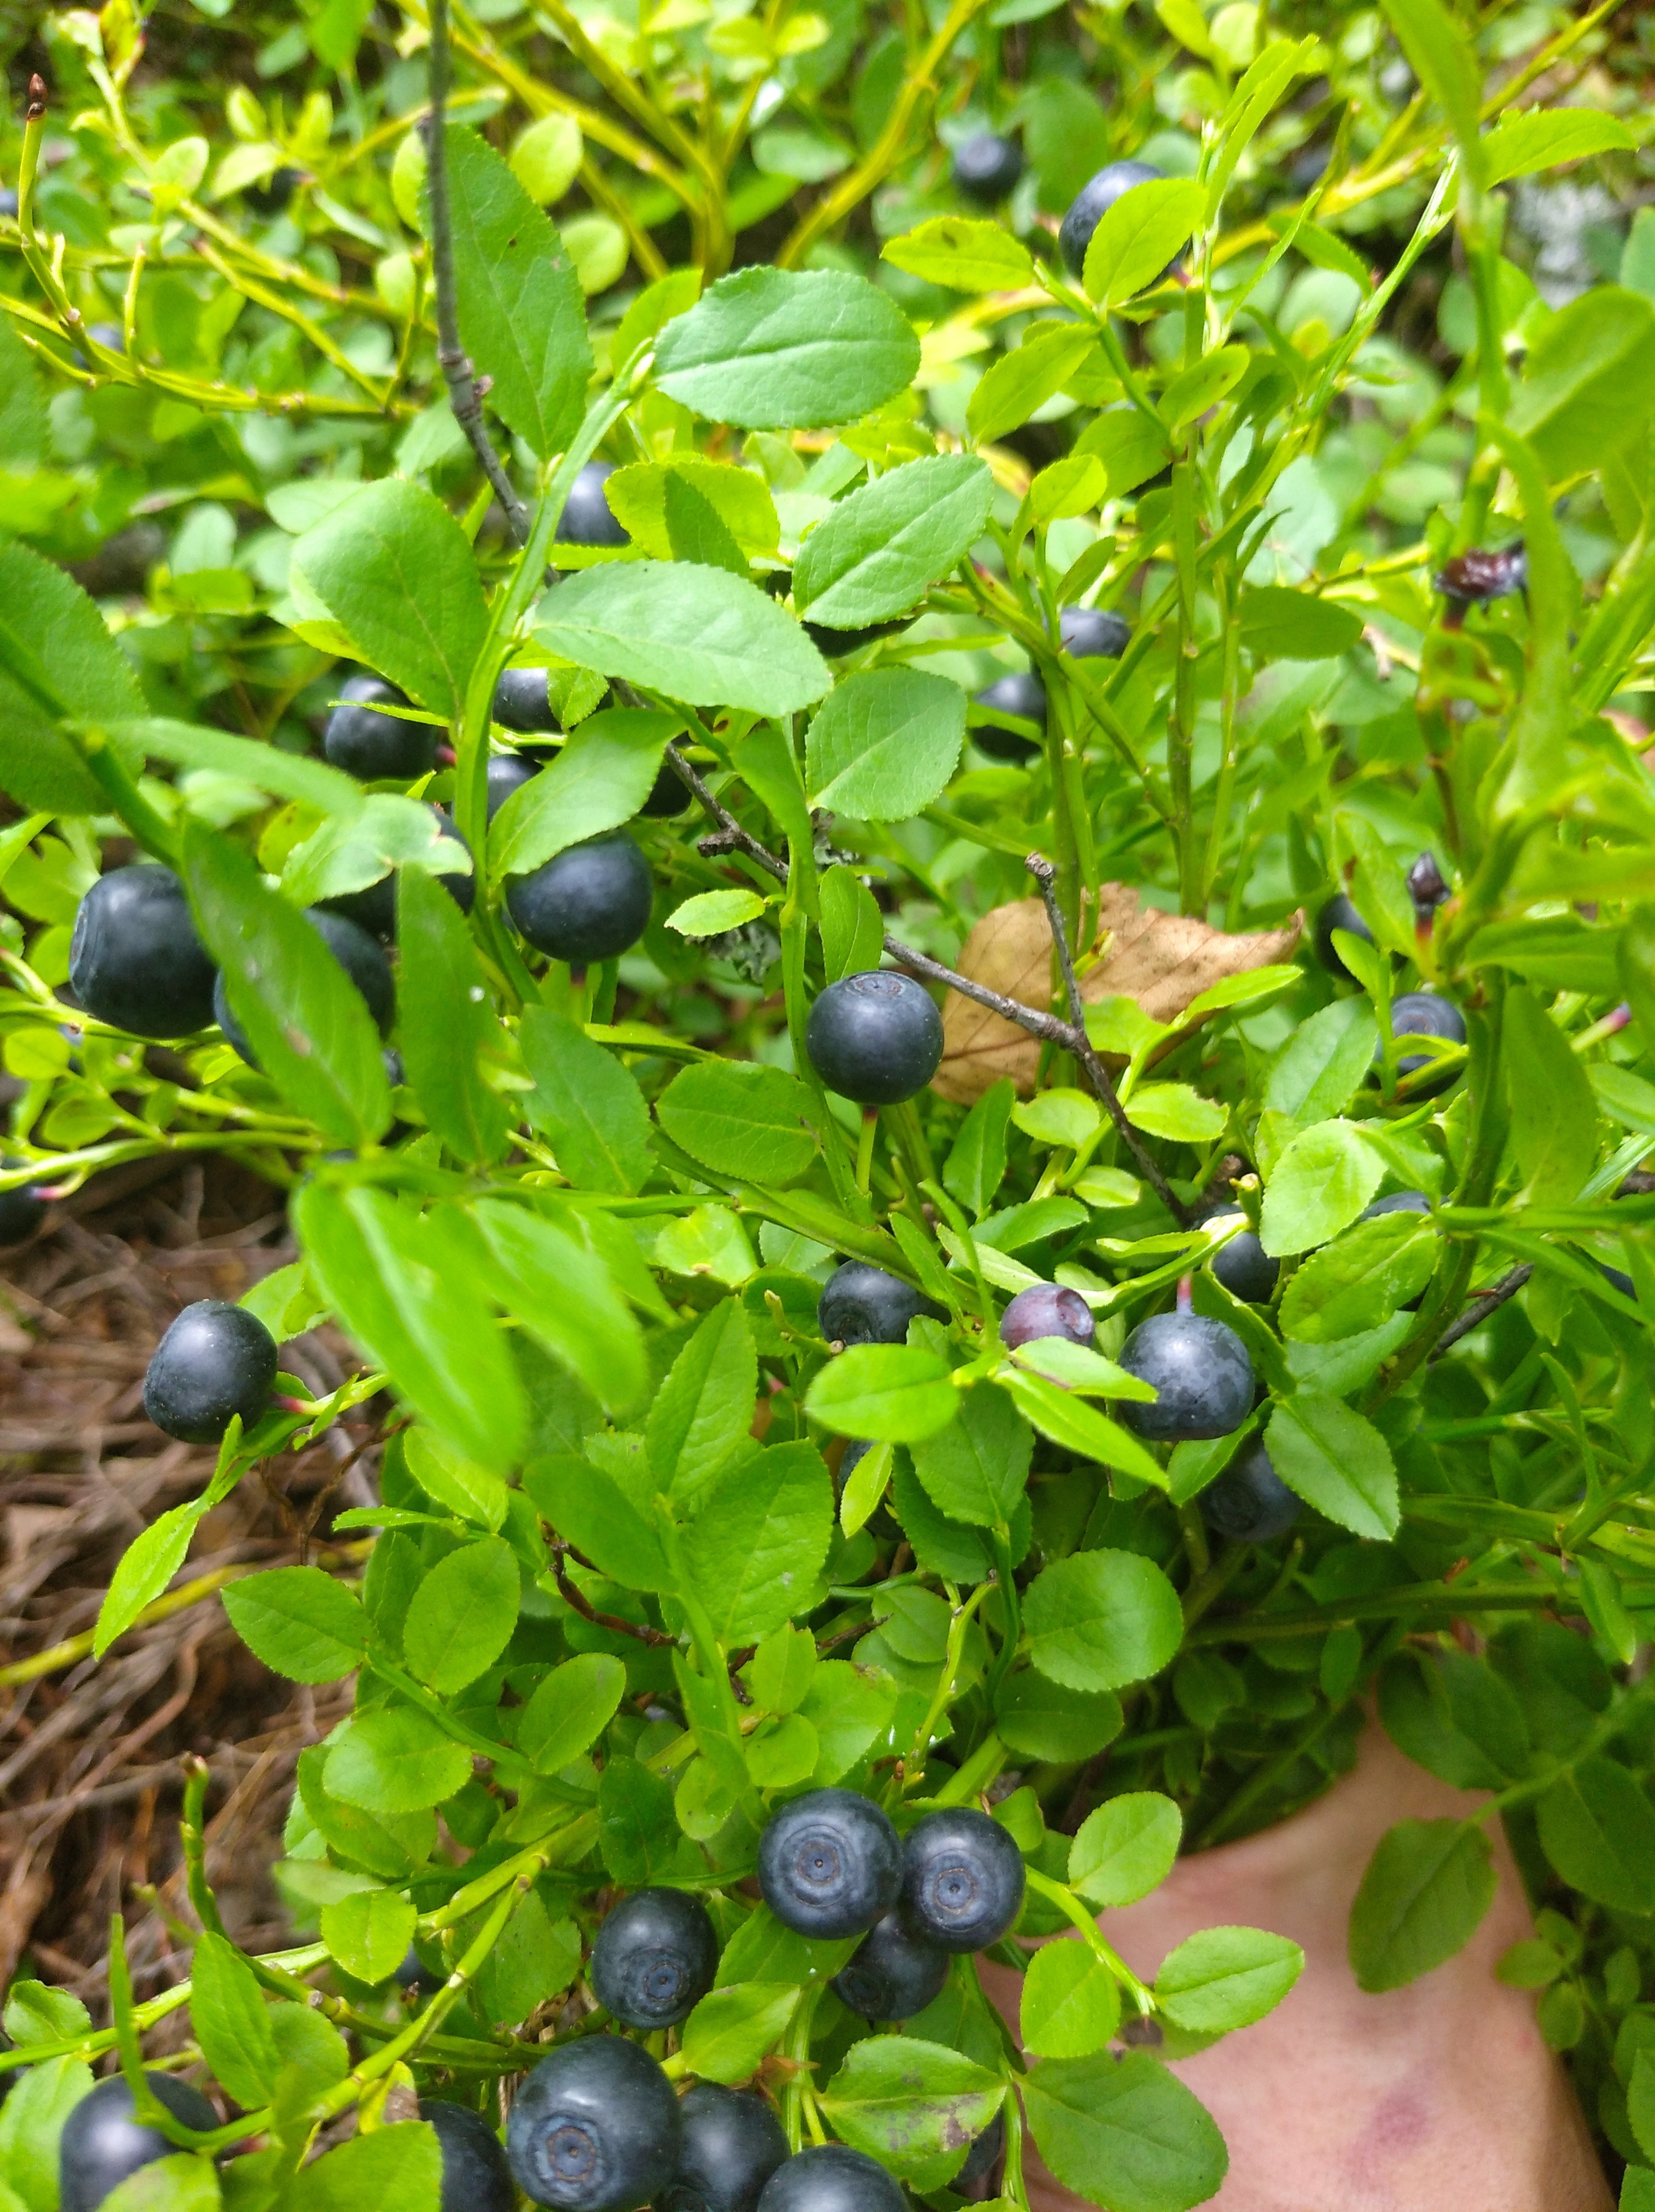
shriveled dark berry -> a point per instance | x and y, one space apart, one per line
1201 1371
987 168
1093 633
588 904
1242 1265
135 960
1023 693
1338 914
1428 886
655 1957
1092 203
732 2143
829 1864
1047 1310
521 702
893 1975
1472 578
1249 1503
861 1304
1425 1014
962 1880
23 1209
875 1037
361 956
377 748
103 2142
831 2178
595 2127
216 1361
587 518
475 2175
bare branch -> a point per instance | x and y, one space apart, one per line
1478 1312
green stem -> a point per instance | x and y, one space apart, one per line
1063 1897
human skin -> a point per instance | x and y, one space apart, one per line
1438 2095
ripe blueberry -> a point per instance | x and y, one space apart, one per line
1338 914
962 1881
595 2127
1047 1310
377 748
1400 1201
1243 1265
213 1361
135 960
655 1957
1423 1013
830 2177
23 1209
732 2143
375 908
987 168
838 643
975 2180
863 1305
1249 1503
1201 1371
507 773
475 2175
669 794
102 2142
521 702
588 519
414 1974
894 1974
875 1037
850 1460
1022 694
588 904
829 1864
357 952
1092 203
1093 633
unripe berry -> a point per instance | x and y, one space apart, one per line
1047 1310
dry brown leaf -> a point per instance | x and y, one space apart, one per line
1161 960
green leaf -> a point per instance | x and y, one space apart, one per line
730 2030
369 1932
25 429
346 852
741 1119
877 553
696 531
1422 1899
186 2181
1099 1619
570 1709
32 2119
1638 2190
1317 1071
1584 389
758 1540
1071 2005
1025 378
587 1104
771 350
393 1759
1224 1978
853 928
705 1407
462 1615
1125 1849
637 496
56 658
1175 1111
884 742
396 570
594 1514
1442 59
709 913
906 2102
698 634
1553 1112
36 2014
1640 2101
232 2020
763 1950
1043 1721
448 1022
1598 1831
976 1162
521 315
974 1469
1078 1427
1456 1717
850 1709
889 1393
1354 1284
307 782
538 1957
1131 445
469 1491
599 780
400 2166
1280 624
638 1832
307 1021
145 1568
300 1622
1145 230
966 255
564 1294
1123 2132
1337 1461
1545 138
1322 1182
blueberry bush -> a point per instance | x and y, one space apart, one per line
893 758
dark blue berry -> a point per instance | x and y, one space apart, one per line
414 1974
1201 1371
962 1884
521 702
829 1864
987 168
863 1305
595 2127
23 1209
1243 1265
1047 1310
1022 694
377 748
588 519
589 904
1249 1503
837 644
732 2143
976 2178
215 1361
1093 633
1338 914
375 908
1424 1014
8 209
850 1460
475 2175
831 2178
669 794
135 960
102 2142
1400 1201
894 1974
1093 202
361 957
655 1957
507 773
875 1037
276 192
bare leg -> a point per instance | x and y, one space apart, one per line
1438 2097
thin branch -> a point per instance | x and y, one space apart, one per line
733 838
1479 1310
1045 1026
587 1611
465 388
1096 1074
